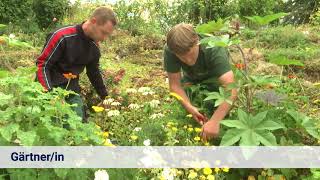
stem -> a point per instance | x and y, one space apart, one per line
281 73
68 84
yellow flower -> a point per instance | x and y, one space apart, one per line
225 169
97 108
134 137
185 127
251 178
207 171
197 138
190 129
189 115
105 134
174 129
179 173
206 144
216 170
107 142
210 177
177 96
197 130
192 175
202 177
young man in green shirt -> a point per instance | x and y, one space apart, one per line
198 64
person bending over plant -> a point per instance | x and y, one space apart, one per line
198 64
69 50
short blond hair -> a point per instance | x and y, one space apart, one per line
181 38
104 14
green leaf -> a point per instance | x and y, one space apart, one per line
249 138
295 115
231 137
7 131
265 19
269 125
27 138
266 138
218 102
311 128
242 115
212 26
61 173
234 123
259 118
211 96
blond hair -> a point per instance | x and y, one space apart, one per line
181 38
104 14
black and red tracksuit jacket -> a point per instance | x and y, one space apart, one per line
69 50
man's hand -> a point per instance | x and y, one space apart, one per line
200 118
210 129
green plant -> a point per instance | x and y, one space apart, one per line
31 117
250 130
47 10
15 11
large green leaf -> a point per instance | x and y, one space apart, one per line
269 125
249 138
266 138
259 118
212 27
265 19
234 123
231 137
242 115
7 131
311 128
27 138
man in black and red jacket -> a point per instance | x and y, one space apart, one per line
71 49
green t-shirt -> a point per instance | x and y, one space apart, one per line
211 63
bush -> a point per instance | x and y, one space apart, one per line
255 7
47 10
305 54
15 10
283 37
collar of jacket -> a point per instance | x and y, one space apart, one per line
81 32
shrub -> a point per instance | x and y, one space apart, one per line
47 10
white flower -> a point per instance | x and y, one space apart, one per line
101 175
154 103
131 90
305 32
115 104
108 101
113 113
130 14
155 116
146 142
167 81
137 129
133 106
168 173
145 91
11 36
